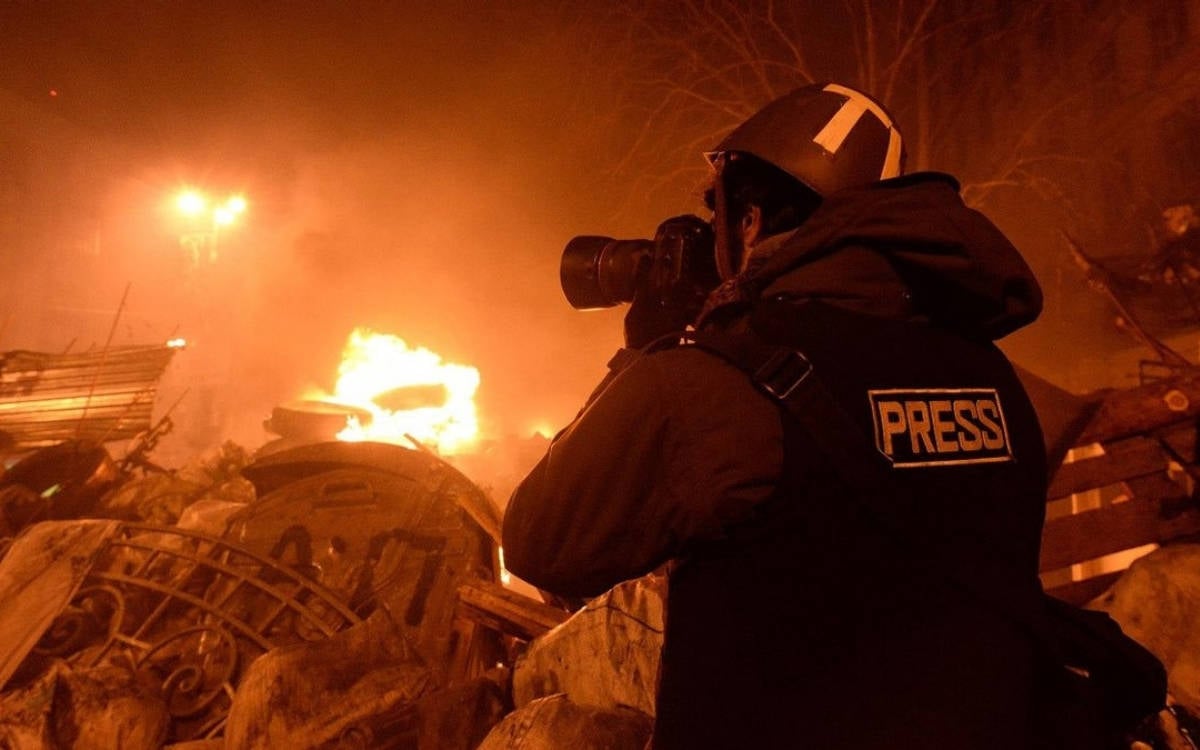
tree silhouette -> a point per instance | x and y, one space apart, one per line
1063 99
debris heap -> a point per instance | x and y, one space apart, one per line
347 595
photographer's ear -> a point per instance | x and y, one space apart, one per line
752 227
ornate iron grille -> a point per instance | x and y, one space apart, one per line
193 610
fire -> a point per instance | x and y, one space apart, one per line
409 392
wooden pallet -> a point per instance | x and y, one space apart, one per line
1133 482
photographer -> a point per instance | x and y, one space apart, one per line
804 611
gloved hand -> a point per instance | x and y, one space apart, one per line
673 283
650 317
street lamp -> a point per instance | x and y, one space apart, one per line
207 221
209 301
191 203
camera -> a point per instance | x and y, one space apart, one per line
676 268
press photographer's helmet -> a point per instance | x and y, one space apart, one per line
827 136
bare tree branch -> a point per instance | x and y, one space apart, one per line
792 44
910 40
872 44
1004 96
856 42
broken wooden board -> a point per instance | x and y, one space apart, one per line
39 574
508 612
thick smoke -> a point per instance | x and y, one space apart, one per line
414 168
414 179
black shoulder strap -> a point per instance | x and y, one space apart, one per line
788 377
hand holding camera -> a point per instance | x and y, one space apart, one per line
666 279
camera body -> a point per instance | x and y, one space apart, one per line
677 268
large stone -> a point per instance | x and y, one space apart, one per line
459 717
363 682
607 654
556 723
1157 603
153 498
109 706
99 708
209 516
25 715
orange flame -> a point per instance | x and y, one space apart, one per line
408 392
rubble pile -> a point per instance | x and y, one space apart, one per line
346 595
305 599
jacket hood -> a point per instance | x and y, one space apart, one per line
903 247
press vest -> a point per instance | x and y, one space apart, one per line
815 624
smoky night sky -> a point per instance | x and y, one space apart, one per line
408 168
412 167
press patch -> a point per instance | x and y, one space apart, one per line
940 426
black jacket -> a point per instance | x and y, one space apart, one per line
793 615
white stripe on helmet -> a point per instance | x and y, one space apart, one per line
834 134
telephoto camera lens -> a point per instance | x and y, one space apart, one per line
600 272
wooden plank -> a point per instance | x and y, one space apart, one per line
1134 411
22 359
105 381
1157 486
511 613
1181 438
14 375
1122 460
1082 592
16 408
1092 534
54 397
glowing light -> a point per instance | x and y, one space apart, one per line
191 203
505 576
177 343
408 392
542 429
